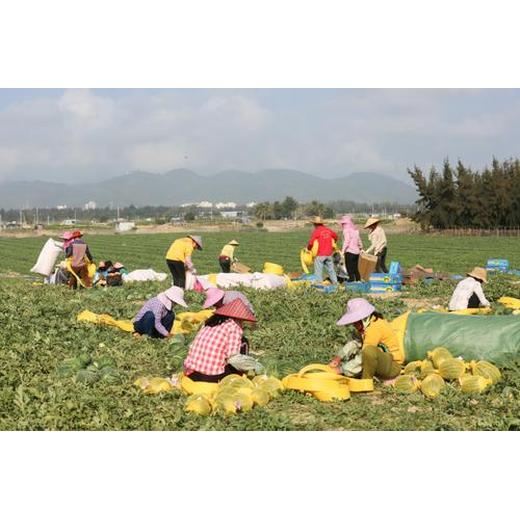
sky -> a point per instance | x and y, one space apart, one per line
81 135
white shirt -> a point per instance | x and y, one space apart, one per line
377 240
462 293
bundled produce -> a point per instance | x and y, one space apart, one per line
235 393
472 378
154 385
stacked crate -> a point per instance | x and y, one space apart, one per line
387 282
500 265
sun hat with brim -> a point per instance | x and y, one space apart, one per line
316 220
197 239
480 273
173 294
234 243
357 309
118 265
345 219
236 309
371 221
213 296
67 235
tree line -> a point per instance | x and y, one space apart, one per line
459 197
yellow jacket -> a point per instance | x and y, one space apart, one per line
228 250
180 250
379 332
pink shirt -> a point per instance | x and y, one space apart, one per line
351 241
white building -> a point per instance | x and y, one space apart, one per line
220 205
250 204
205 204
90 205
63 206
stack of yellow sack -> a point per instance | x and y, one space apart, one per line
430 375
233 394
325 384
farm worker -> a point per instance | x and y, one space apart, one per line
178 258
216 297
351 248
378 244
217 341
156 316
325 238
381 355
227 256
469 294
78 254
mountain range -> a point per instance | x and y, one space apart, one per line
183 186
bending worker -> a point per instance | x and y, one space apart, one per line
178 258
377 237
227 256
469 293
325 238
381 355
156 316
217 342
78 254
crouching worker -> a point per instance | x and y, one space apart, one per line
381 355
469 294
156 317
217 344
216 297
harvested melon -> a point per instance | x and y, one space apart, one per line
452 368
260 397
427 368
486 369
413 368
439 354
432 385
470 384
406 384
198 404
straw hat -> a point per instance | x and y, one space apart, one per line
234 243
173 294
213 296
371 221
480 273
316 221
197 239
357 309
236 309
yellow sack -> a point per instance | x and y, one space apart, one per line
270 268
306 260
510 303
186 322
197 387
105 319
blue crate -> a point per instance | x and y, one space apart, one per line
385 278
327 289
514 272
359 287
306 277
497 264
384 288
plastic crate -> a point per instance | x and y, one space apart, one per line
359 287
306 277
384 288
394 269
327 289
497 264
385 278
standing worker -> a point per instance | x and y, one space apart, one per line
352 246
325 238
178 258
227 256
377 237
469 294
78 258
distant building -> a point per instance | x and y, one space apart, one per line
220 205
63 206
188 204
90 205
69 222
250 204
232 214
205 204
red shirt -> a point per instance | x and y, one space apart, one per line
324 236
212 347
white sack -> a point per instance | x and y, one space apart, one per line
47 258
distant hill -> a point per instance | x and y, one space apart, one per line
182 186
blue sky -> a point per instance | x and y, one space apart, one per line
77 134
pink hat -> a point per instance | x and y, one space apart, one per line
173 294
213 296
357 309
118 265
237 310
67 235
346 220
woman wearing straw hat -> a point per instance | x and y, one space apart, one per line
381 354
178 258
469 293
156 316
352 247
377 237
227 256
219 340
325 238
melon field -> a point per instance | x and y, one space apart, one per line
38 331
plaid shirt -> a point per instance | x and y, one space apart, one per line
212 347
158 310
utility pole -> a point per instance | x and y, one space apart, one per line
21 219
37 220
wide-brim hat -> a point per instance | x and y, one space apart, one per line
236 309
67 235
234 243
357 309
197 239
213 296
118 265
371 221
316 221
172 295
346 219
480 273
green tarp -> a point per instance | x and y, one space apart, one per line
493 338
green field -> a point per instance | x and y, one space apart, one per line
39 330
